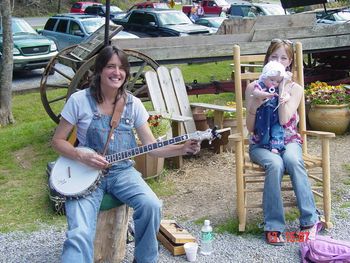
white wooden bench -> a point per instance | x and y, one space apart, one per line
168 94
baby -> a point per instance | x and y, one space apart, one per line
267 127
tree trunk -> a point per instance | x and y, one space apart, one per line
6 67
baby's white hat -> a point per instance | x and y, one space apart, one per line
272 69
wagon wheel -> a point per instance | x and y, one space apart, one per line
54 96
55 81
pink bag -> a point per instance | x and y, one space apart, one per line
325 249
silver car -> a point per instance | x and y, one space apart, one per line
71 29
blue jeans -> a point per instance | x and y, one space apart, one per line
131 189
275 166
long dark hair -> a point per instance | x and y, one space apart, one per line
101 61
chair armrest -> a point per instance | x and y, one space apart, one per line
213 107
179 118
320 134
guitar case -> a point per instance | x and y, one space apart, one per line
56 199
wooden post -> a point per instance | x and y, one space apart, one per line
111 232
326 183
177 129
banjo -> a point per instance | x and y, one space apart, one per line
74 179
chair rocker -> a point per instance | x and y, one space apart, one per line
249 176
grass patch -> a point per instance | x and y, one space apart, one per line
160 186
343 214
318 184
200 221
337 195
231 226
346 181
347 167
254 226
207 72
25 152
292 214
345 205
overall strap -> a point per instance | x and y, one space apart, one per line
92 101
117 113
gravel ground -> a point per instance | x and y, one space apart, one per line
46 245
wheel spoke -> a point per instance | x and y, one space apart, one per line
57 86
57 99
131 84
63 74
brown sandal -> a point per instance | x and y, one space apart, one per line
274 238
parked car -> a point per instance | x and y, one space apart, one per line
336 16
268 9
213 22
149 4
30 50
210 7
71 29
159 23
247 9
100 10
79 7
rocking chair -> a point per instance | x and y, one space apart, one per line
250 176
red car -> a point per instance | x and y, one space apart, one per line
149 4
79 7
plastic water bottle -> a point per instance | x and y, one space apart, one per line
206 238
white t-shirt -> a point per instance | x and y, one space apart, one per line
77 111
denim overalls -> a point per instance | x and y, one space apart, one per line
124 182
267 127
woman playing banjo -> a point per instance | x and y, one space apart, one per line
90 111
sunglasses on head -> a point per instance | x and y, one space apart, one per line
285 41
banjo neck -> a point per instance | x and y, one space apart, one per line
116 157
209 134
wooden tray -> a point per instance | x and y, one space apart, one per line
176 233
173 236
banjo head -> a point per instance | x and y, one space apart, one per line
72 178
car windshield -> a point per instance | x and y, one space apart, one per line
161 5
243 10
221 2
273 10
20 26
342 16
173 18
91 25
217 22
112 9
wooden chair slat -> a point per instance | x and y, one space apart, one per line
182 98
